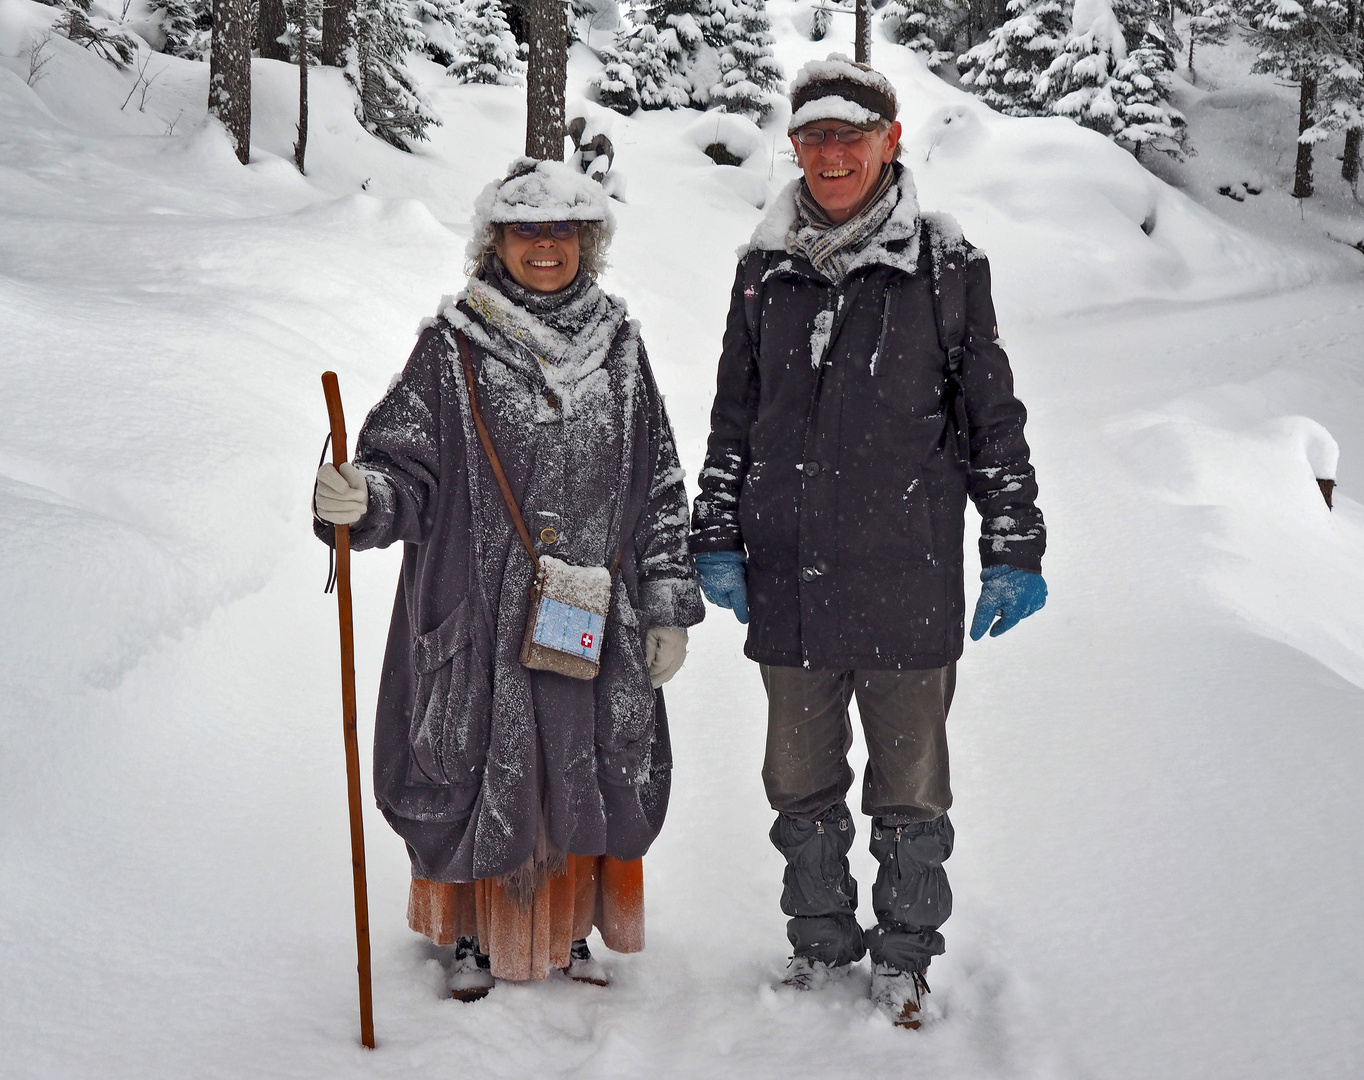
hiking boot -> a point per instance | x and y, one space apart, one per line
802 973
899 994
583 968
471 975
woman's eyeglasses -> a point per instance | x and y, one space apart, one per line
813 136
532 230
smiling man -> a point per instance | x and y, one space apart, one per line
862 397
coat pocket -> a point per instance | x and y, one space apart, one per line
625 697
443 731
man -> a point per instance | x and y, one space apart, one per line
862 396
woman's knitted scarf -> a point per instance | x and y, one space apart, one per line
829 246
558 338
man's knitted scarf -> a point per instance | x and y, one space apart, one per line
829 246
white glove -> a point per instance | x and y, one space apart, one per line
665 647
341 495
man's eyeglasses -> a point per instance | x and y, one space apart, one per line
532 230
813 136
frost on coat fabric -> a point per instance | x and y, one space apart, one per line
475 755
834 459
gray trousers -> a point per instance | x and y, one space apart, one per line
906 791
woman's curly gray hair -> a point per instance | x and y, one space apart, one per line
593 242
541 191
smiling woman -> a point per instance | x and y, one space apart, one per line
527 790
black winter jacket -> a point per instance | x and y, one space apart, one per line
841 474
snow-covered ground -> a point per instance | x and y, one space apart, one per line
1158 805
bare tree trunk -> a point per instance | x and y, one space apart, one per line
229 73
1349 166
546 74
862 46
1193 78
1302 169
301 146
338 18
271 25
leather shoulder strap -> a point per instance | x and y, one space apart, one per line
483 437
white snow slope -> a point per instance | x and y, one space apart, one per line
1158 806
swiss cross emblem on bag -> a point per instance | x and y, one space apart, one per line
587 641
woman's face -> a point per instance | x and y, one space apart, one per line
544 262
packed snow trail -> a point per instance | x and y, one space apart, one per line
1157 865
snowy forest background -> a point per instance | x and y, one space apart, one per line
1107 64
1157 868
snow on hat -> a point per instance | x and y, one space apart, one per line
840 89
542 191
537 191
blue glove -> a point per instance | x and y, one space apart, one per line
1010 593
724 580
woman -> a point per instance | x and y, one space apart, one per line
526 797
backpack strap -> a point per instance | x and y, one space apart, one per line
755 269
947 272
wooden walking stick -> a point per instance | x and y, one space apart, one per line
357 826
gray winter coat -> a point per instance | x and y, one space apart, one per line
834 458
472 751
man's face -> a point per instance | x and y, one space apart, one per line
842 175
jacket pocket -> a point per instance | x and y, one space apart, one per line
769 512
443 727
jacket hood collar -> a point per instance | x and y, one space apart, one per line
896 244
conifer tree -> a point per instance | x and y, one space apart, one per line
187 25
929 27
1099 84
1142 90
390 106
1005 68
1301 42
271 26
749 73
1080 81
661 48
439 19
639 74
1209 24
1354 133
1340 108
486 50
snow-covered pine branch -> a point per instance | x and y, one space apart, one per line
932 28
483 46
1004 70
389 104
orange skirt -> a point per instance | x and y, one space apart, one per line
528 942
